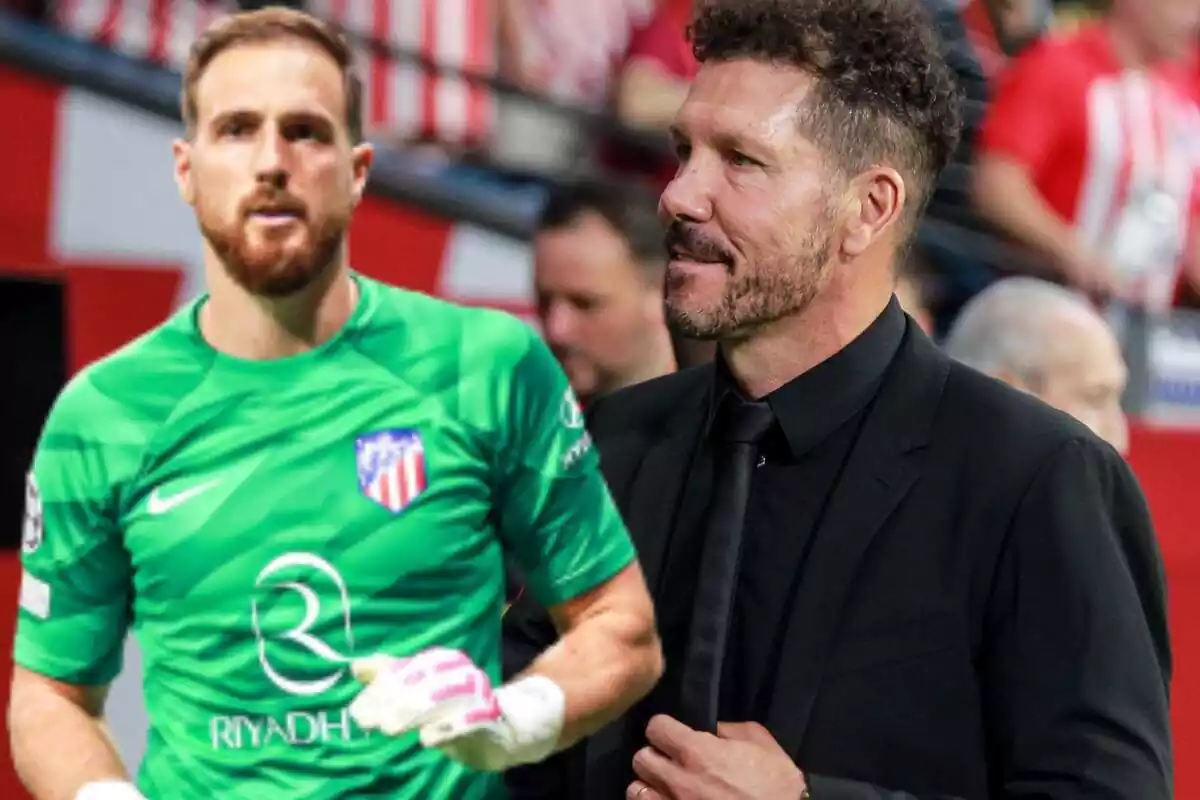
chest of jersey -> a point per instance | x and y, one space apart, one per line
300 501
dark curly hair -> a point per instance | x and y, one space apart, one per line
883 93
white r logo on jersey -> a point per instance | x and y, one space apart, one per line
301 634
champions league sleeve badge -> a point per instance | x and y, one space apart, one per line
32 532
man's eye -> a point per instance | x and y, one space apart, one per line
742 160
301 131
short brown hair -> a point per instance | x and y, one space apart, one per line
627 210
883 92
268 25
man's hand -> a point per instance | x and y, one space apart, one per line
742 762
1090 274
450 701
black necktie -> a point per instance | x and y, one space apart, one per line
739 427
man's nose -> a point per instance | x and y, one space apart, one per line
559 324
687 197
271 160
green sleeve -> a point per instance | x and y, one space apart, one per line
556 514
75 586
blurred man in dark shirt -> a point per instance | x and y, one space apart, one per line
598 273
977 39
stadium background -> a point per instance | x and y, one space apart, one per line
96 248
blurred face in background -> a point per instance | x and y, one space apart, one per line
1166 28
750 221
1084 375
1019 22
600 310
270 169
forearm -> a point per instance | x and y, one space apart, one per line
648 96
604 665
58 747
1004 194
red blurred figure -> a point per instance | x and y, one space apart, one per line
1089 155
652 83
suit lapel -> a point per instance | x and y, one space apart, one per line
882 467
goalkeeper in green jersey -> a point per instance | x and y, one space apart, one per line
298 493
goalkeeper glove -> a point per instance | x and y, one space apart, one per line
451 702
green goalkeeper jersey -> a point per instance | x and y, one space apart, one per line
258 524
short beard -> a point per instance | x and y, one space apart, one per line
765 294
271 271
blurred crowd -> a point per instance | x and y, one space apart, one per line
1069 206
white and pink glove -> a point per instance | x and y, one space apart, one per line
451 702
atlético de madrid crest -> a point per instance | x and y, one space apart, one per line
391 467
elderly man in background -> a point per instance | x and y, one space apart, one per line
1050 342
598 272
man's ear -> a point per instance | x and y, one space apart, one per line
363 156
876 199
181 150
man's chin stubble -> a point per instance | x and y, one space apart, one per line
694 326
281 277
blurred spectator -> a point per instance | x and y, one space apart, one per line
657 70
159 31
1050 342
403 101
977 39
653 81
565 50
1089 153
598 271
1070 15
998 29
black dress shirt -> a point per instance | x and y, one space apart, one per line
818 417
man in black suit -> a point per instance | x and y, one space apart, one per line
879 575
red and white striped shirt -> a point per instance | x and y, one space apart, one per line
400 98
571 48
1114 151
161 31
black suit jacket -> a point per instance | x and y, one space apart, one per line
982 613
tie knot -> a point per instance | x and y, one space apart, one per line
740 421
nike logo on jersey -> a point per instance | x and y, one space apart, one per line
159 504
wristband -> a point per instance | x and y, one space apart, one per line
109 790
534 709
